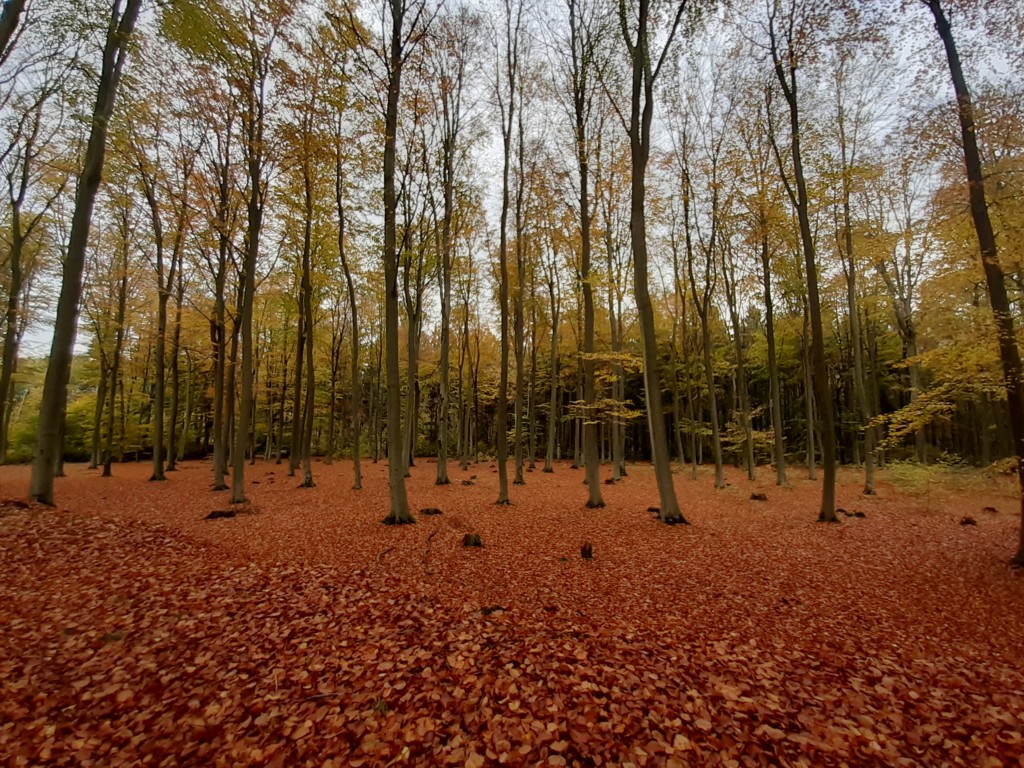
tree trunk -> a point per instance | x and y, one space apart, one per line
10 350
306 295
58 371
172 441
786 74
581 100
994 277
773 365
295 448
641 116
95 456
729 275
115 364
399 512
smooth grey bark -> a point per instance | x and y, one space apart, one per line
353 305
513 23
847 159
115 357
644 74
395 56
254 129
173 435
306 299
785 65
995 278
582 47
452 81
224 222
702 303
778 438
729 281
49 442
519 304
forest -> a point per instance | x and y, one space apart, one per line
510 269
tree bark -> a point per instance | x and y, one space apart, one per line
399 512
994 276
786 73
778 438
641 117
581 51
54 398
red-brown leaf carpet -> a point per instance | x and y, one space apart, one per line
303 632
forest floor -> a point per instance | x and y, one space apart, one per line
304 632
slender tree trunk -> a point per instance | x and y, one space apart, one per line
508 111
97 421
805 360
729 276
778 439
639 144
531 390
786 74
619 383
172 441
10 350
552 423
159 383
115 364
218 331
309 407
58 371
451 101
994 276
399 513
307 315
248 298
591 459
295 449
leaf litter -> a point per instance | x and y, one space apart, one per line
303 632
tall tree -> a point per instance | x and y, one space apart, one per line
263 22
405 22
788 28
583 45
995 278
507 94
24 169
49 446
161 177
646 64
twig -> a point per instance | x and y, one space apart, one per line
426 550
323 696
382 553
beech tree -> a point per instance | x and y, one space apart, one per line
405 23
508 102
582 76
32 187
646 64
995 279
788 26
120 26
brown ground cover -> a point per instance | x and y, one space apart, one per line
303 632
